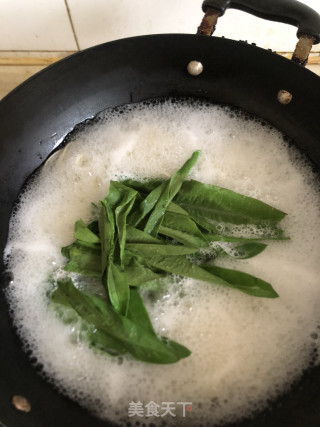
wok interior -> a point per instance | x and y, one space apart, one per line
290 408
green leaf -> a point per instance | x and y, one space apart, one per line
174 208
181 222
147 250
146 205
183 229
83 233
118 287
120 199
115 208
143 187
244 282
84 261
107 234
242 251
134 235
234 279
137 311
171 189
122 249
209 205
104 342
184 238
140 343
180 351
139 275
93 247
181 266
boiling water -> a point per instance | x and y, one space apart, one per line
245 350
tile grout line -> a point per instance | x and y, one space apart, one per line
71 23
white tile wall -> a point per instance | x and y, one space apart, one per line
100 21
45 24
105 20
35 25
273 35
238 25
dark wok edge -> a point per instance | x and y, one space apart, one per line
40 113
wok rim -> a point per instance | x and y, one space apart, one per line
304 73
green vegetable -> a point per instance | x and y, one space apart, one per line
244 282
183 237
243 251
115 208
182 222
232 278
134 235
122 333
107 234
81 245
143 187
84 260
139 274
209 205
147 205
120 200
83 233
147 232
181 227
148 250
118 287
171 188
138 313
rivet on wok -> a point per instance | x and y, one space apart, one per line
21 403
195 68
284 97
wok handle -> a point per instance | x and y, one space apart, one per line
287 11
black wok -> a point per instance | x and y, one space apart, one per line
37 116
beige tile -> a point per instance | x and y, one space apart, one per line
314 68
31 58
12 76
35 25
99 21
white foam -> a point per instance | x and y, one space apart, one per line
245 350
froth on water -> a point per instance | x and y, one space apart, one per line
245 350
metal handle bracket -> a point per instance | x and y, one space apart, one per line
286 11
